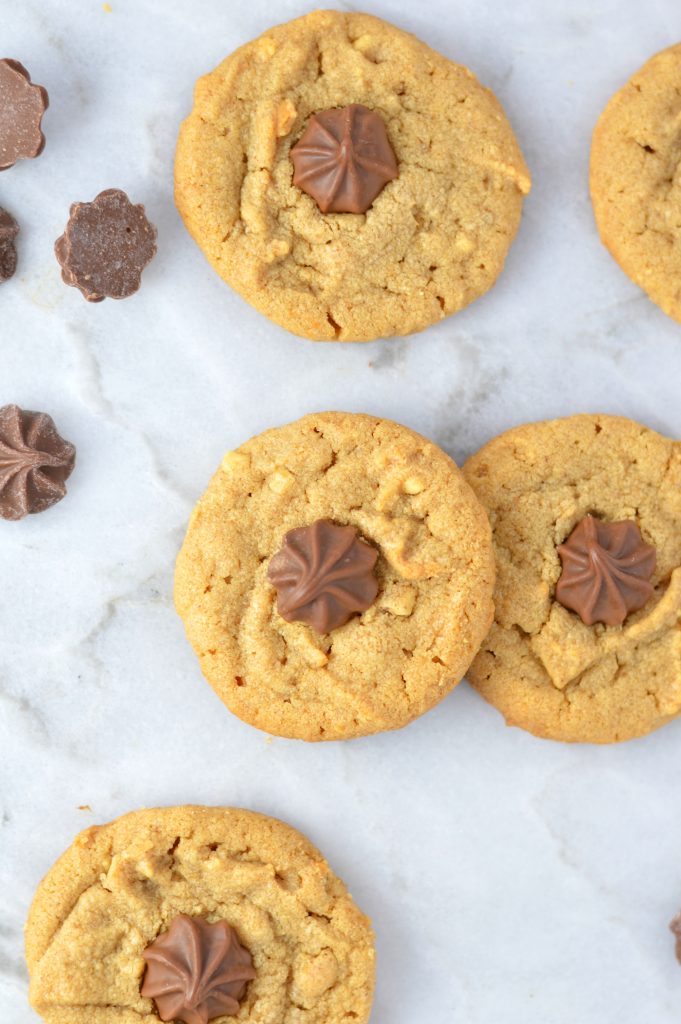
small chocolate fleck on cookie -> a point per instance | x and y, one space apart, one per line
9 229
106 246
22 106
35 462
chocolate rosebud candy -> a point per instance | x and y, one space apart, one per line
196 971
344 159
35 462
106 246
22 106
323 575
606 571
675 928
9 229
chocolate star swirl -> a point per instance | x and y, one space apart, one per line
344 159
675 928
606 571
35 462
196 971
323 574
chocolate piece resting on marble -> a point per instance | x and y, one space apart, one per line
344 159
9 229
606 571
675 928
323 575
35 462
22 106
196 971
106 246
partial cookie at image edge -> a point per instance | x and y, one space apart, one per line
541 666
119 886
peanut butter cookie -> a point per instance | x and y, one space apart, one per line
408 185
586 517
197 914
636 178
336 577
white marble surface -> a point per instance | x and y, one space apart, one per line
511 881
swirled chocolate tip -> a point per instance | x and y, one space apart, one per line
344 159
323 575
9 229
35 462
106 246
22 105
606 571
196 971
675 928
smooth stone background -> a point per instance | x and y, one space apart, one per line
511 881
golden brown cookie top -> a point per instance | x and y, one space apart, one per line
546 669
635 186
121 886
434 238
399 653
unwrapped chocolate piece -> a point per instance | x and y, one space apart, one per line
675 928
22 106
9 229
196 971
35 462
606 571
106 246
323 575
344 159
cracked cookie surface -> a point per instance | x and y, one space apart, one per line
435 238
435 570
120 885
541 666
636 179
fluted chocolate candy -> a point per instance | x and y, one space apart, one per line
9 229
35 462
344 159
22 106
606 571
196 971
106 246
323 575
675 928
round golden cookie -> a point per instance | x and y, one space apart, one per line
635 179
435 571
119 886
541 666
435 238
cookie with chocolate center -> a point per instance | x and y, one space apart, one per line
197 914
348 181
586 644
336 577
